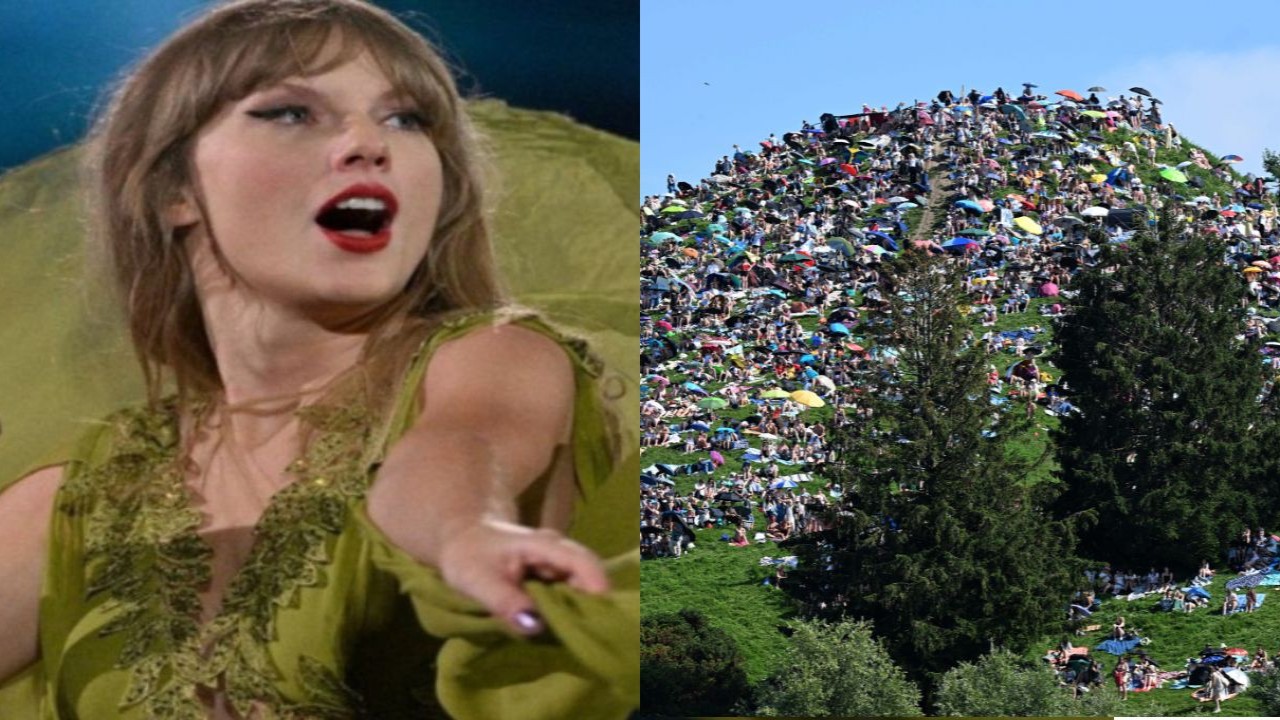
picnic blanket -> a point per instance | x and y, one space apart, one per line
1118 647
1240 602
1271 578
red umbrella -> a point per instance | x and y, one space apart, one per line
849 168
1049 290
1070 95
664 325
1239 652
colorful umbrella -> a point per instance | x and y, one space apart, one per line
1028 225
807 398
773 393
969 205
1173 175
785 483
1232 158
713 403
1070 95
839 329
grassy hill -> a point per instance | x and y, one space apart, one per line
725 582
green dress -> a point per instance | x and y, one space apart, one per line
327 618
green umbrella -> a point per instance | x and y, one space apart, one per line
661 237
1173 175
842 245
713 403
1094 114
672 209
774 393
794 257
715 228
975 231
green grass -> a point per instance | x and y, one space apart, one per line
1178 636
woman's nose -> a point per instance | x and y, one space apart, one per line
362 146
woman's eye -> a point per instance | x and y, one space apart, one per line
287 114
408 120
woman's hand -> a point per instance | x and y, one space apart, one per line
490 559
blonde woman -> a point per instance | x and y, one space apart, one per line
353 501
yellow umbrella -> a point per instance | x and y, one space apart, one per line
691 252
807 398
775 393
1028 224
1251 270
1097 177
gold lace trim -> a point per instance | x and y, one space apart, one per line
145 553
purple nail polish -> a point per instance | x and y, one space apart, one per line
528 621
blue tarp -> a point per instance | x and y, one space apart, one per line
1117 647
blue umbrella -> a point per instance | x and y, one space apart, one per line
815 340
715 228
969 205
806 359
699 425
695 388
887 242
721 431
659 237
1004 141
785 483
839 329
810 373
958 242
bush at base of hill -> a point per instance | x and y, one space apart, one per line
1001 685
688 667
837 670
1266 687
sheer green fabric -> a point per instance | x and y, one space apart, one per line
327 618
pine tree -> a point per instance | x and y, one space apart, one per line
939 540
1162 464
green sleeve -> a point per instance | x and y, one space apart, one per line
587 664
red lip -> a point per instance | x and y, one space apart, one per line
362 243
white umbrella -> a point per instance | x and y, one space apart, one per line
1095 211
787 483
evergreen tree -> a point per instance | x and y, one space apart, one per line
689 667
837 670
1162 465
939 540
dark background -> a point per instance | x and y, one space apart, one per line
578 57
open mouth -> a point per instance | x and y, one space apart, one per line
359 218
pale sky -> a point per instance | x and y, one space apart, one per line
719 72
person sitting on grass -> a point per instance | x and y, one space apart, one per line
1229 605
1206 572
739 537
1117 628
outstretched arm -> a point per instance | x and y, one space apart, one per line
497 414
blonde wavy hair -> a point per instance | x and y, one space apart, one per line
141 150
